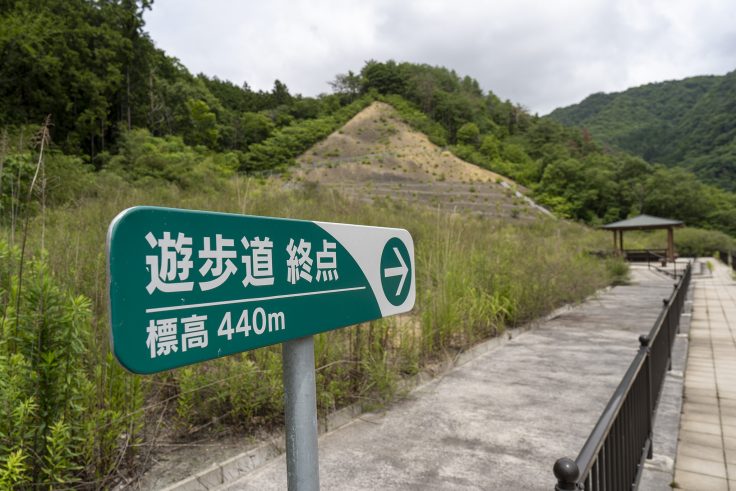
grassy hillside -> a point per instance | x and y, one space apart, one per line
689 123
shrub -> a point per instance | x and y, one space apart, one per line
285 144
694 242
417 119
49 408
144 158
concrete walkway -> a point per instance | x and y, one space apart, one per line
501 420
706 454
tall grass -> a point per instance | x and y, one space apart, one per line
475 278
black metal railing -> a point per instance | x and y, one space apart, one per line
613 456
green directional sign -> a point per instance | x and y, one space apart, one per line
188 286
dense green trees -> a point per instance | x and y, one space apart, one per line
92 67
688 123
78 60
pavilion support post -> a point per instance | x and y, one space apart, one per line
621 242
615 243
670 244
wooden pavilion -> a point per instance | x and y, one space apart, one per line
644 222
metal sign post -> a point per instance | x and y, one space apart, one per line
189 286
300 410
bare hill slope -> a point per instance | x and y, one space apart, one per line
377 155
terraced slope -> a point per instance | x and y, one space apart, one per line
378 156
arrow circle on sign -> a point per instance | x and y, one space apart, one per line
397 271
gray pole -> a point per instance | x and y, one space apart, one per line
300 391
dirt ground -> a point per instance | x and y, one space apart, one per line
376 155
172 462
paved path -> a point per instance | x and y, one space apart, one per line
706 454
501 420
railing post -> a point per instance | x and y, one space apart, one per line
567 473
667 324
644 345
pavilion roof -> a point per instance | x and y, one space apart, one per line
643 222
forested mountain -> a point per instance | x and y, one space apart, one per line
118 103
689 123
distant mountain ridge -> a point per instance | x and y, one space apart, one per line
689 123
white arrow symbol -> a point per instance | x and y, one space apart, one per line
397 271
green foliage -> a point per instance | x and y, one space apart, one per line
468 134
43 378
618 270
144 158
347 85
686 123
256 127
458 303
490 147
689 241
694 242
675 193
464 295
63 179
99 97
106 76
60 462
202 129
71 59
385 78
107 80
13 471
241 391
418 120
279 150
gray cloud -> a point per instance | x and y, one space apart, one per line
539 54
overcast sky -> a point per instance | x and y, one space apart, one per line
540 54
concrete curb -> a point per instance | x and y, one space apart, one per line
220 474
235 467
